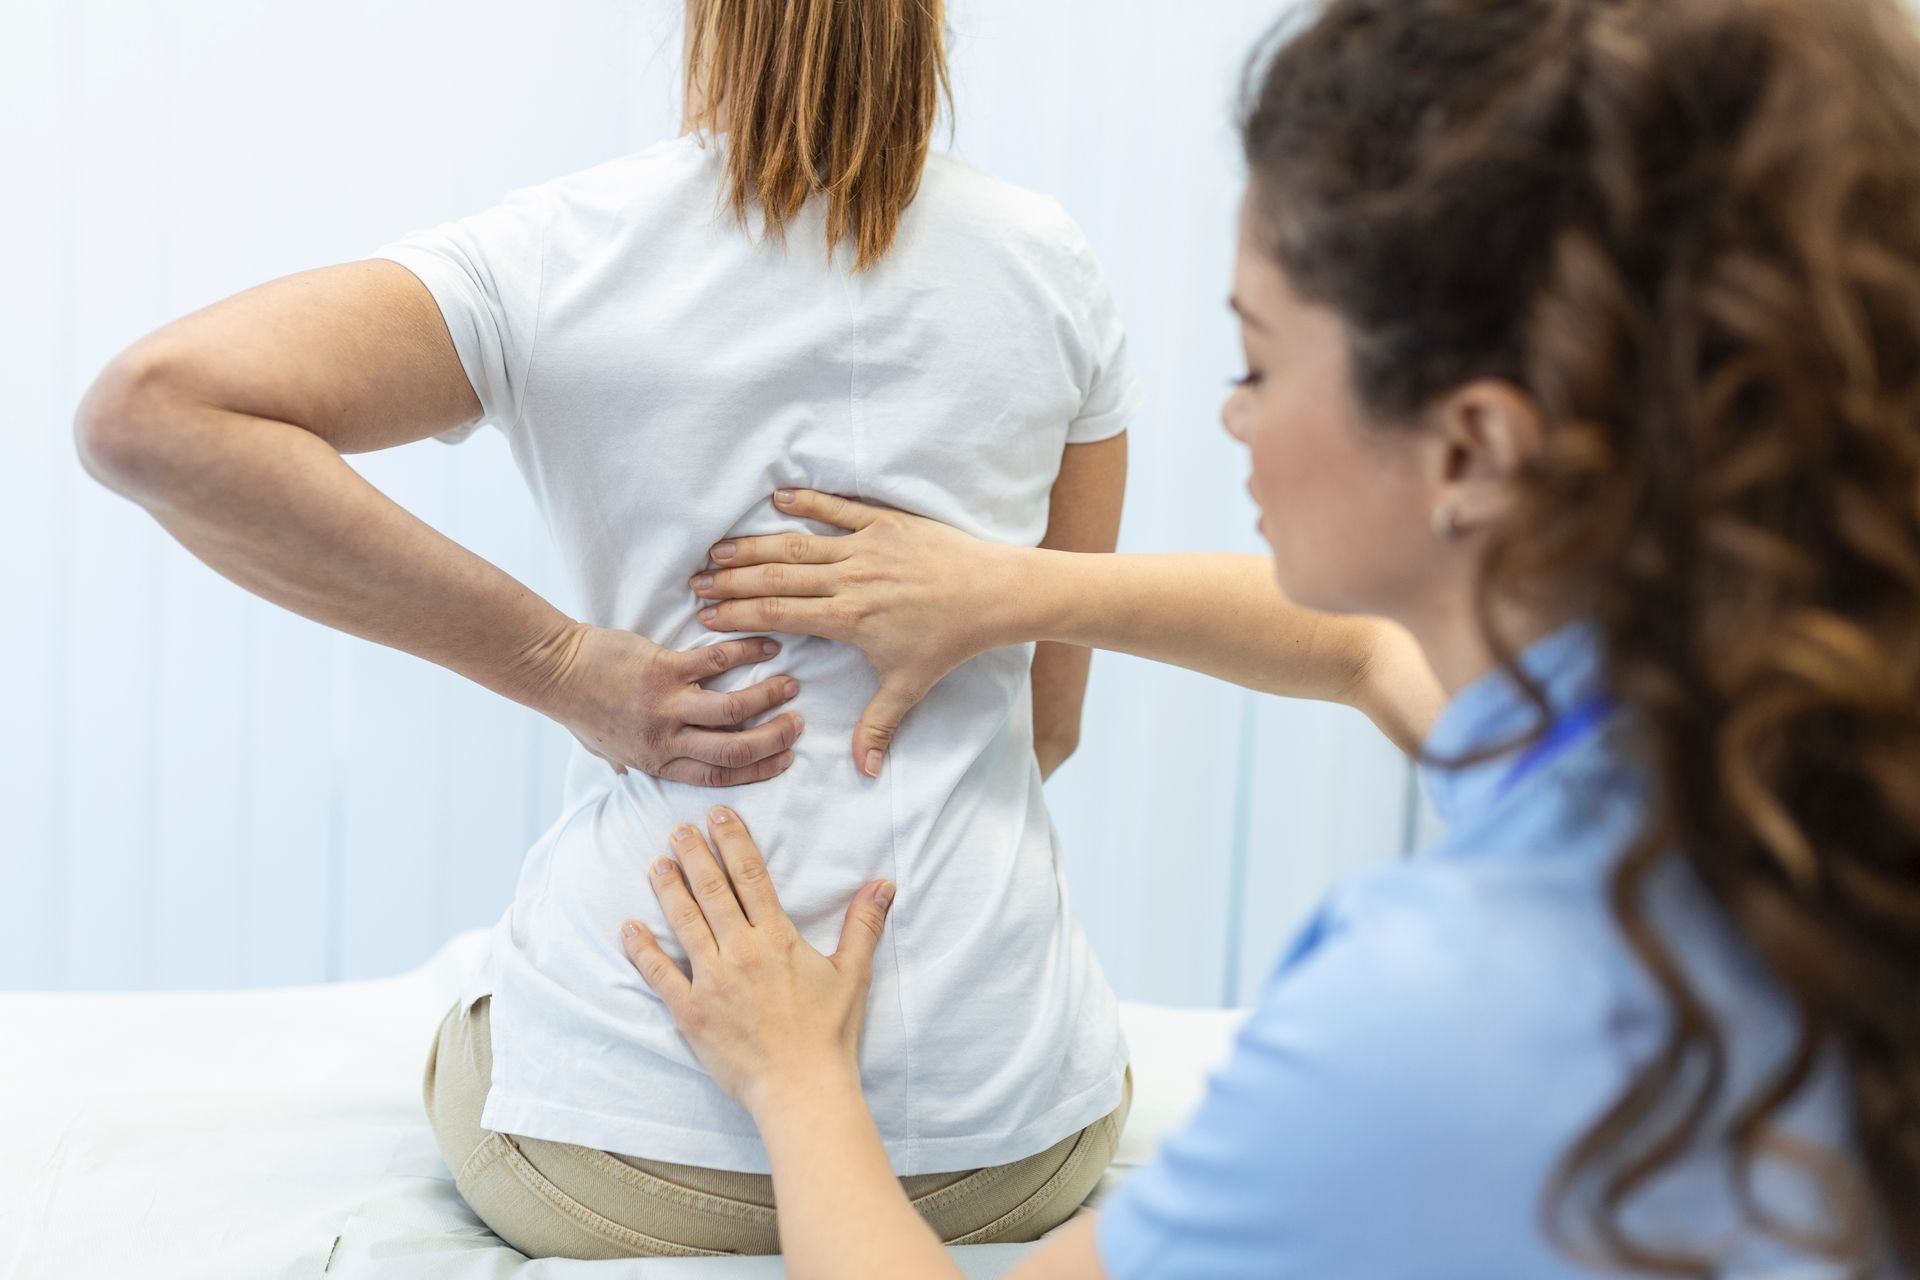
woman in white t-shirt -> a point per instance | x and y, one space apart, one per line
795 292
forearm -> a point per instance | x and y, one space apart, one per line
842 1213
277 510
1221 615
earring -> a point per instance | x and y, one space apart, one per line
1445 524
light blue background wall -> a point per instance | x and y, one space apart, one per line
198 789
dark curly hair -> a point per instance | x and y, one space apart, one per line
1690 230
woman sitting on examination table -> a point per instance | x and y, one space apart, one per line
1583 338
794 292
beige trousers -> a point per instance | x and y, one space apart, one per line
555 1199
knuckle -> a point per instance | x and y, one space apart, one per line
772 610
709 884
735 754
794 546
717 658
749 870
778 578
711 775
733 707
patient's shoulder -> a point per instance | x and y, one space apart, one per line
959 199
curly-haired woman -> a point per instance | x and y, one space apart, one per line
1583 338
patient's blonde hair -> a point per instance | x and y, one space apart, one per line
837 97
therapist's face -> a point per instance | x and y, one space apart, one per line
1341 502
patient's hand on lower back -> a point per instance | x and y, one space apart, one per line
639 706
916 596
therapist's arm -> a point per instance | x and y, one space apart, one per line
229 425
777 1025
920 598
1083 517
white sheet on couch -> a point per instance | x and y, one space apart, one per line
279 1133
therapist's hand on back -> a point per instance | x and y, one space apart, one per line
874 588
639 706
761 1008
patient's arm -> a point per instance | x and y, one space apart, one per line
1084 517
228 426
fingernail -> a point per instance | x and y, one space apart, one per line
701 581
709 613
786 758
783 496
884 894
724 551
684 832
628 932
873 763
769 648
799 724
663 867
719 816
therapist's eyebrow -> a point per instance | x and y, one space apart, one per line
1241 311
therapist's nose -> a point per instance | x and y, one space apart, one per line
1232 412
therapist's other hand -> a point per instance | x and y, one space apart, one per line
916 596
639 706
761 1007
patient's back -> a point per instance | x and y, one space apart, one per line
659 371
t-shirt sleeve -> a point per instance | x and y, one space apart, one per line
1111 392
486 271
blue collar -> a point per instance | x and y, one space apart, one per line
1566 664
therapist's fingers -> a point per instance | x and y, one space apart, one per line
751 884
684 916
796 615
698 773
708 880
656 967
898 694
714 709
766 580
835 510
866 920
779 548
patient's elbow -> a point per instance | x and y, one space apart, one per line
118 427
1053 749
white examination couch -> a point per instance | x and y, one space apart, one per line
271 1134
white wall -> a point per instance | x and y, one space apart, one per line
198 789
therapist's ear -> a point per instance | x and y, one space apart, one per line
1484 433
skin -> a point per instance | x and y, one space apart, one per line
1377 518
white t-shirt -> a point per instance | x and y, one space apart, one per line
658 372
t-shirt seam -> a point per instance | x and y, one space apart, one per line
857 315
539 301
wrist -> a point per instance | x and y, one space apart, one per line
1030 595
536 670
1010 593
801 1087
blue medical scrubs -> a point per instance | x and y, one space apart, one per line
1442 1030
